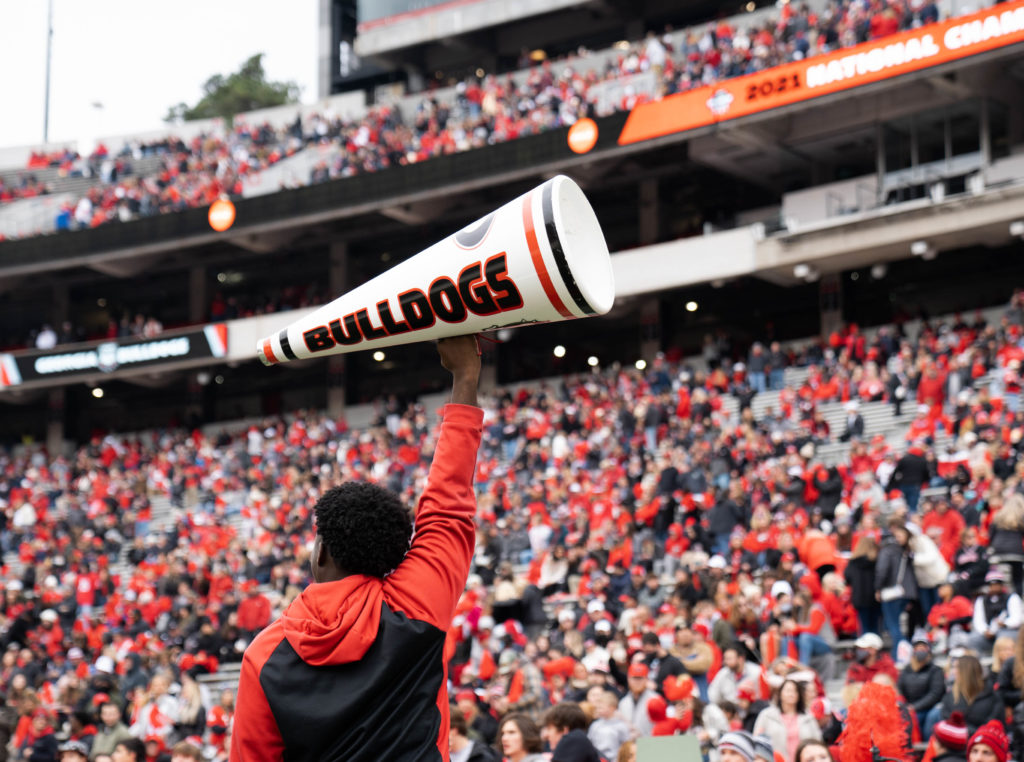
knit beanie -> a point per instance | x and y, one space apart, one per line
741 743
952 733
994 737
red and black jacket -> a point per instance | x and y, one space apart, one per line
354 669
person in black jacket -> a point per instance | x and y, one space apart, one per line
893 571
458 741
921 682
972 696
830 490
911 472
564 727
970 564
860 576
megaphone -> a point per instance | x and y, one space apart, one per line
539 259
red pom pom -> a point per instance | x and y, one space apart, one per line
873 719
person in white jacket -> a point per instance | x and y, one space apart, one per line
997 613
735 670
786 722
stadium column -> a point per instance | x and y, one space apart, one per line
60 306
650 328
198 300
830 296
55 422
649 222
337 279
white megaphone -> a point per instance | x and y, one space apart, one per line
539 259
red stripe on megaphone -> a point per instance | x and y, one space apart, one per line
268 352
538 259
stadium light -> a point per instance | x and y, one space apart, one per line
641 364
1017 228
919 248
592 361
879 270
692 306
801 271
98 392
378 356
559 351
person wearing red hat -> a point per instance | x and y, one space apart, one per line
356 661
633 706
949 740
989 744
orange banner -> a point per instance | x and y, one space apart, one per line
844 69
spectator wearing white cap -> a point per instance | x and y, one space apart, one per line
997 613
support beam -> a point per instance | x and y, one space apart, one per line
55 422
198 294
338 283
125 268
418 213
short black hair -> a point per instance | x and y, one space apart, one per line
365 528
134 746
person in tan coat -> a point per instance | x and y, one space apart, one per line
696 656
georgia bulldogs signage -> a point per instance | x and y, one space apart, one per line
83 360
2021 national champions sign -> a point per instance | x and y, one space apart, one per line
914 50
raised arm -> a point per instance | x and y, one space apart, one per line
428 583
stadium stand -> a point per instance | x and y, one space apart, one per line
806 476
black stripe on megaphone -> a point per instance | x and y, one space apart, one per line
559 253
286 346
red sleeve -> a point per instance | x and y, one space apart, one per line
428 583
255 736
814 625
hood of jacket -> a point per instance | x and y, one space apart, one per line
335 622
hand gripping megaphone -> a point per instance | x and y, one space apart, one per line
539 259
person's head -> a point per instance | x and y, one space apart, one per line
627 752
988 744
360 529
735 746
969 680
518 735
995 581
790 697
733 658
763 751
561 719
951 734
922 651
1002 650
109 714
810 750
41 720
129 750
636 677
606 703
650 643
72 751
868 647
898 528
183 751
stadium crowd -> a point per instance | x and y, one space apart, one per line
484 111
647 563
